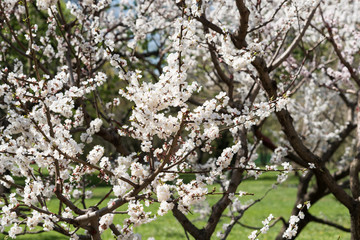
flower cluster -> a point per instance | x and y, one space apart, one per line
263 230
292 229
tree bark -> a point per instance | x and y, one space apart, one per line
354 181
355 222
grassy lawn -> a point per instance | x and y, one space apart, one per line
279 202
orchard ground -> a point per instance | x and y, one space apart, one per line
278 202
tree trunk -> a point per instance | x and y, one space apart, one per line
95 234
355 223
355 182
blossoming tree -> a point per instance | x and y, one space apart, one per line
185 73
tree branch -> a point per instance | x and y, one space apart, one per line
294 43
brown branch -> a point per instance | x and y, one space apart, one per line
236 178
208 24
239 37
329 223
296 142
355 164
295 42
338 52
270 20
187 224
86 218
336 144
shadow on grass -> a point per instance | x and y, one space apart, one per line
175 235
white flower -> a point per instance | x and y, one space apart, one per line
95 126
33 221
77 194
137 214
240 63
105 163
95 155
62 105
163 192
281 103
146 146
105 221
294 219
88 194
45 4
100 78
165 207
137 169
119 190
9 179
48 225
74 237
86 138
253 235
15 229
212 132
287 166
278 155
67 213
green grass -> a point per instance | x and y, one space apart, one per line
279 202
